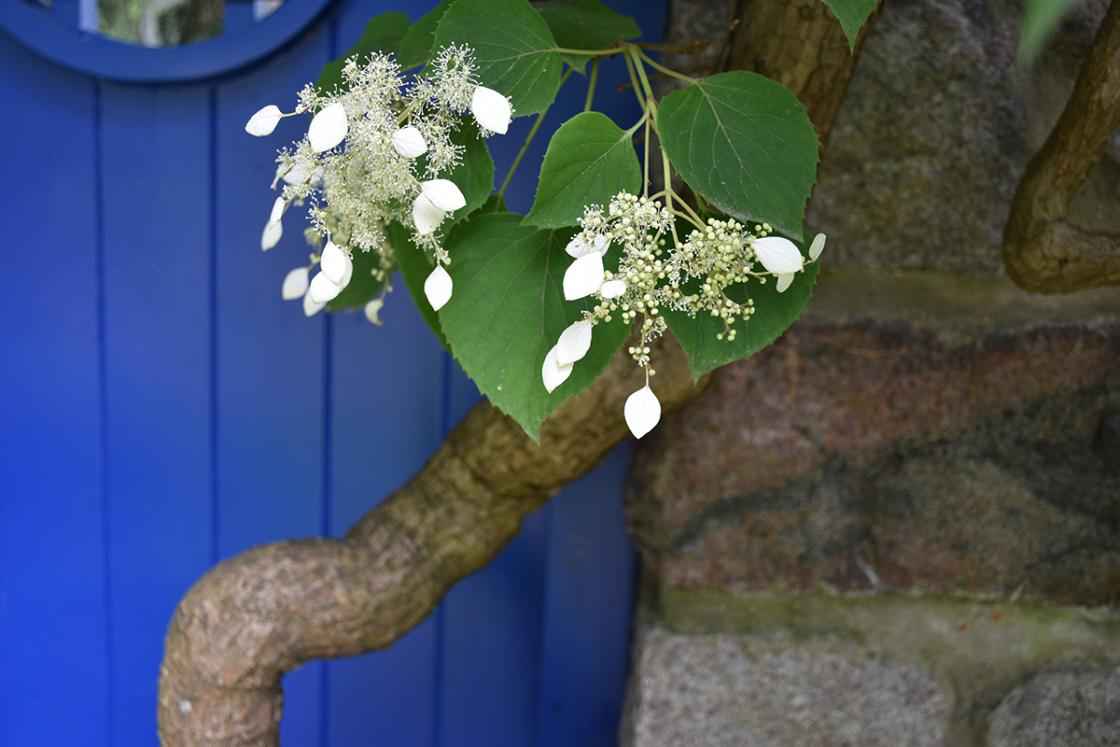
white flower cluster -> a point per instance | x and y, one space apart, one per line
373 154
656 272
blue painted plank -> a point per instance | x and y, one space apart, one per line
156 150
270 373
386 387
53 634
590 582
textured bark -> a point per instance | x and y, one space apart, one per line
801 45
264 612
1042 250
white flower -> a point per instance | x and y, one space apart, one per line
278 208
577 247
443 194
612 289
778 255
297 174
322 290
785 280
328 128
553 374
270 237
642 411
409 142
817 246
426 216
574 342
336 264
584 276
438 288
310 306
295 284
264 121
491 110
373 309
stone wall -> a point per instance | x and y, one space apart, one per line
900 525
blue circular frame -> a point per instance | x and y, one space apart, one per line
96 55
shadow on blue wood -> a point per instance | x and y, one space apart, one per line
162 409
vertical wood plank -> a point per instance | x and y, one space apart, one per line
156 149
386 387
53 631
270 374
590 582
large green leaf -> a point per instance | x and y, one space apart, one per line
586 24
508 310
589 160
852 14
1040 18
515 50
383 34
416 46
774 312
745 144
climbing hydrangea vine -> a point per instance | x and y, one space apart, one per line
394 173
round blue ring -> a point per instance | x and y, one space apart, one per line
89 53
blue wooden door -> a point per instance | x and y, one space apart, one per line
162 409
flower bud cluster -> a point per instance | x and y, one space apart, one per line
657 272
374 154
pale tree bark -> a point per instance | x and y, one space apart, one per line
1042 249
264 612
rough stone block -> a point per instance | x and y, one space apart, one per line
730 691
1072 707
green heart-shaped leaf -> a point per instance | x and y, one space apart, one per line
590 159
745 144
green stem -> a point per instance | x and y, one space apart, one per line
634 84
665 70
591 83
590 52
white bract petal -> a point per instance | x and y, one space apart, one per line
295 284
298 174
264 121
577 247
601 244
425 216
817 246
785 280
443 194
373 309
270 237
612 289
310 306
322 290
409 142
328 128
778 255
553 374
336 264
438 288
583 277
642 411
278 208
491 110
574 342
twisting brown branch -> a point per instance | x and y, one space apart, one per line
1042 250
266 611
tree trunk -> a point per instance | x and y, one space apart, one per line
264 612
